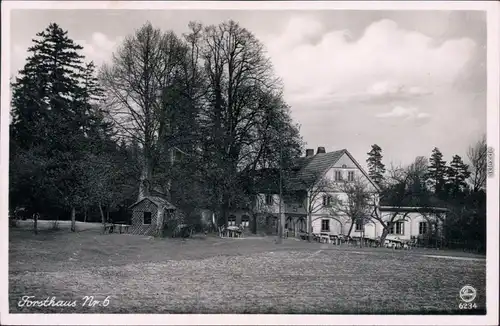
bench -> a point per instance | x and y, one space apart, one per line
110 228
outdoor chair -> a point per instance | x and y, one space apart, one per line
324 237
334 239
240 233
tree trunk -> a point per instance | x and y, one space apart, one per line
281 222
350 229
385 232
309 227
168 183
103 218
224 209
85 215
73 219
35 223
146 174
160 222
254 223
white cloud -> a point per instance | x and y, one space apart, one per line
100 48
385 60
407 113
388 88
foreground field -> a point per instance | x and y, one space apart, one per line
251 275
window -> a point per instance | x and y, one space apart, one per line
422 228
325 225
397 228
327 200
359 225
350 176
338 175
178 156
146 219
231 220
269 199
245 221
344 166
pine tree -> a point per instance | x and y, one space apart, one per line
436 175
376 168
457 174
51 111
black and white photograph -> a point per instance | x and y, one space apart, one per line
249 162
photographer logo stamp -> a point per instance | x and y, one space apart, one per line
467 293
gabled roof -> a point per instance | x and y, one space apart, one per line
158 201
310 169
304 172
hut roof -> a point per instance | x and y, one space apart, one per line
158 201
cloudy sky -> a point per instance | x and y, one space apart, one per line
408 81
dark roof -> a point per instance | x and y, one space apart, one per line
158 201
303 173
307 170
412 209
413 201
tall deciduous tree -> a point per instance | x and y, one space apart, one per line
405 188
477 154
139 92
376 168
243 102
356 205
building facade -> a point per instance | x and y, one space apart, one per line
319 193
315 193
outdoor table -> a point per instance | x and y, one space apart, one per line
393 243
325 237
233 230
123 228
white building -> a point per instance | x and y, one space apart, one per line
315 190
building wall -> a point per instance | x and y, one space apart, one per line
411 224
137 226
343 165
335 226
300 206
237 217
374 229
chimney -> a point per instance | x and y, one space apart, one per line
309 152
321 150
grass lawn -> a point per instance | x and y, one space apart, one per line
252 275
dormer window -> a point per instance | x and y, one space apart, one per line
269 199
327 200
